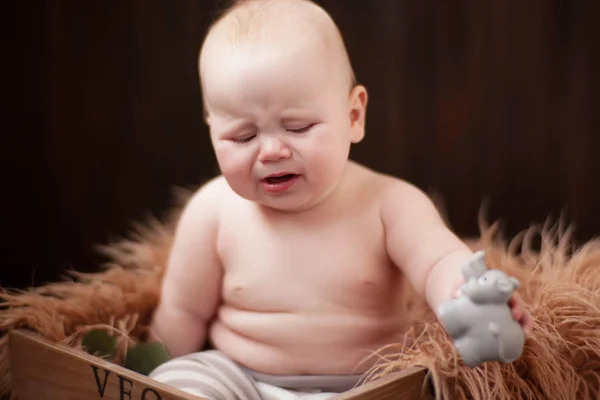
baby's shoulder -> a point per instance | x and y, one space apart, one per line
397 189
384 185
208 199
209 192
393 194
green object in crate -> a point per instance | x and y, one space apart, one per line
99 343
144 357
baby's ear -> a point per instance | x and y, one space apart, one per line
357 104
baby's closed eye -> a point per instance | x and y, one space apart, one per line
303 129
243 139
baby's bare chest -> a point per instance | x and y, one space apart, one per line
285 268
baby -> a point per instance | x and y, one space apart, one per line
292 263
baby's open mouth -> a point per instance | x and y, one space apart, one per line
273 180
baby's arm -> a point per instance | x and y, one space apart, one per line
192 281
421 245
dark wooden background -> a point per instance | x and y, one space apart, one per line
476 100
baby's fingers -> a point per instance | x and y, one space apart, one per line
520 315
517 312
526 322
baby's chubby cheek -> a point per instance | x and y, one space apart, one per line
326 164
238 173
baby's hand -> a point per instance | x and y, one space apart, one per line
456 292
519 313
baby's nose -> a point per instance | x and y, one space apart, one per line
273 149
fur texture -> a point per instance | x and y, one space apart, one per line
560 284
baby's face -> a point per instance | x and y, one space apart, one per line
281 122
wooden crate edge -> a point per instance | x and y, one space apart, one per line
409 384
23 340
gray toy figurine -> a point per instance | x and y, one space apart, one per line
480 321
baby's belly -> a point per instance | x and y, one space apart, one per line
293 343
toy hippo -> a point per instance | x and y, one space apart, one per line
480 321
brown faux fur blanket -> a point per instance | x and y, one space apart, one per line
560 284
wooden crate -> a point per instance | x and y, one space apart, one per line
44 370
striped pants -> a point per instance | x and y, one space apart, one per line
212 375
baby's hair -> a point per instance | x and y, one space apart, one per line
247 19
246 22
